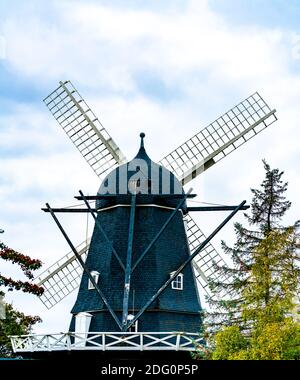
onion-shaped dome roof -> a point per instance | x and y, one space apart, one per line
152 182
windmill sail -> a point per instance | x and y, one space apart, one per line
84 129
61 278
203 263
220 138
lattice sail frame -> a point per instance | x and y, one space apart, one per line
84 129
220 138
204 262
61 278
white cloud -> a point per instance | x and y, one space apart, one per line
104 46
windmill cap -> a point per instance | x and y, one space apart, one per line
141 175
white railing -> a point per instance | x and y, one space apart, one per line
106 341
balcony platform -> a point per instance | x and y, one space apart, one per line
106 341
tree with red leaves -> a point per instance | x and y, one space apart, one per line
27 264
14 322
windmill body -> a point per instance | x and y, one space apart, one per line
177 309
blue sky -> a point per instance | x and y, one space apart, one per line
167 68
267 13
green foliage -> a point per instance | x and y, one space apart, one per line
263 280
273 341
268 296
14 323
276 341
228 342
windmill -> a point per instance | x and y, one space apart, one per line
127 313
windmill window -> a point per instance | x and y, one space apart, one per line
134 185
95 276
134 327
177 283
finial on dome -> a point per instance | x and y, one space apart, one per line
142 135
142 153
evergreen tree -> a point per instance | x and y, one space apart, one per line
264 275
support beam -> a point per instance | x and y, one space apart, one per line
72 210
95 197
91 278
161 230
98 225
185 263
216 208
128 263
110 196
201 208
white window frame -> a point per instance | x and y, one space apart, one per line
133 328
177 283
134 186
95 276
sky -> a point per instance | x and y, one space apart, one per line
167 68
